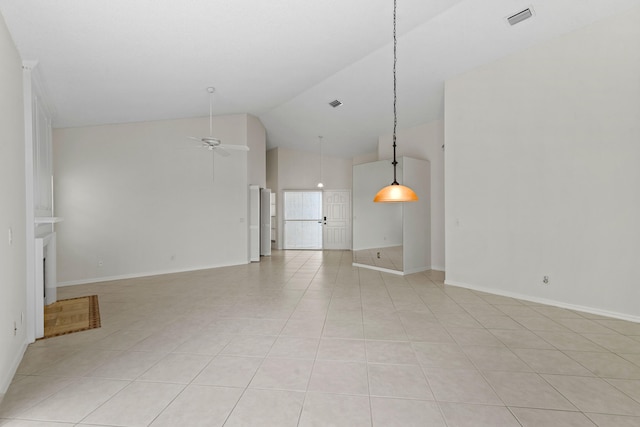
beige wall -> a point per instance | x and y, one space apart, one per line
542 172
257 142
12 213
272 169
141 198
365 158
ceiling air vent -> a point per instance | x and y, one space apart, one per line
335 103
520 16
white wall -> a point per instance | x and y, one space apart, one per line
542 173
365 158
257 157
300 170
272 169
12 210
141 198
425 142
416 223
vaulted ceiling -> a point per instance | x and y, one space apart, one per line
284 60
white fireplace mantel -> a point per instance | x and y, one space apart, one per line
45 278
47 220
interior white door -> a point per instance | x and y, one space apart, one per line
337 219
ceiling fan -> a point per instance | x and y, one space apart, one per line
212 143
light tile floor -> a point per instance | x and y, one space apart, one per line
305 339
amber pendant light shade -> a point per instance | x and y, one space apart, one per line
395 192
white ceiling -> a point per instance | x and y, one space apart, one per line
283 60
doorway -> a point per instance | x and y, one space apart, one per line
317 219
302 220
336 230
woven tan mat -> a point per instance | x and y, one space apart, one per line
71 315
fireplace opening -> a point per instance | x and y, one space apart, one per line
44 290
44 278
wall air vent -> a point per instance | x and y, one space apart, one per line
520 16
335 103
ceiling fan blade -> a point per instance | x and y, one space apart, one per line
201 142
234 147
221 151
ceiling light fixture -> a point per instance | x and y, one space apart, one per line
320 184
395 192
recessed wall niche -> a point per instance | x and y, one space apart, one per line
392 237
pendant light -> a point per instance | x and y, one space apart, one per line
320 184
395 192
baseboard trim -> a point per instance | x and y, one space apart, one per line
560 304
373 267
418 270
438 268
143 274
7 377
388 270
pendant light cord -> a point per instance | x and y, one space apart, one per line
395 192
395 115
320 138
